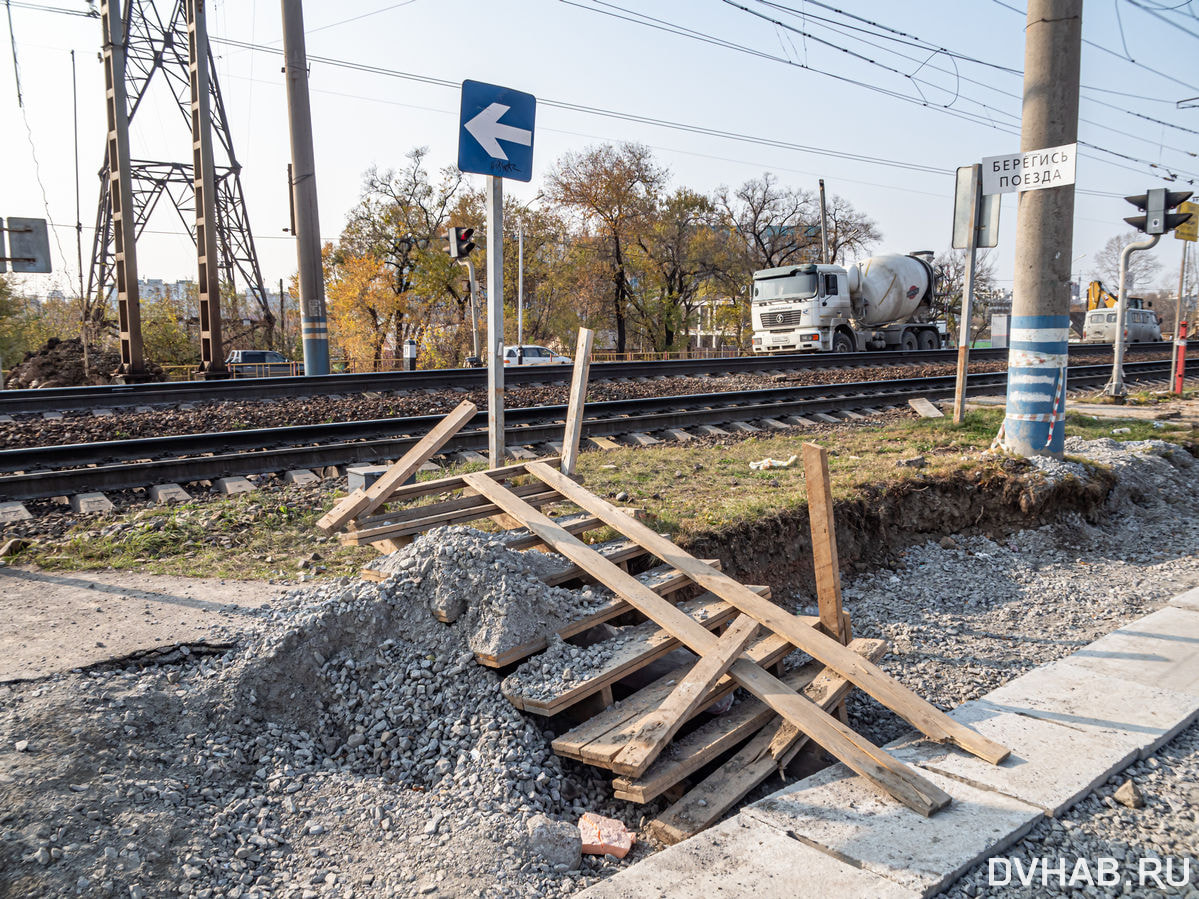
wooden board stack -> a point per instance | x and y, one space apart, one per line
737 636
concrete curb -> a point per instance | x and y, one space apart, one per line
1070 725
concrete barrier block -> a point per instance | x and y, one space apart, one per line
90 503
359 477
169 493
230 486
11 513
301 477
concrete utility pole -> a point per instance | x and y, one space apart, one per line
120 189
212 352
313 327
495 320
1037 355
823 227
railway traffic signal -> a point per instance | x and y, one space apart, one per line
1156 204
460 242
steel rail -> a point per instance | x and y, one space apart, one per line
535 426
65 399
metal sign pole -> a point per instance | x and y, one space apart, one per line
1182 274
520 295
965 315
1115 387
495 320
474 305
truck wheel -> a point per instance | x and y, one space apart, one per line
842 343
908 343
928 340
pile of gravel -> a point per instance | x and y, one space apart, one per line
349 746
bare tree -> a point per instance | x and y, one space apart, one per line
951 265
778 225
1143 268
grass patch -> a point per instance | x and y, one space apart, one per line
684 488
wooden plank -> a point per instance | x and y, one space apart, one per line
659 727
854 750
770 751
662 581
467 501
639 645
711 740
578 398
575 524
600 739
824 539
928 719
363 502
420 525
455 482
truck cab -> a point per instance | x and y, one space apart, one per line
797 308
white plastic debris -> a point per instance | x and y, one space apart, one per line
764 464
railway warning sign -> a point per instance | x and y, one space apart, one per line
1188 230
1033 170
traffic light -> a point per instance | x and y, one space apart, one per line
460 242
1156 205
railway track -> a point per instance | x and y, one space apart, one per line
65 399
40 472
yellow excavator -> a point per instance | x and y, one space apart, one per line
1098 297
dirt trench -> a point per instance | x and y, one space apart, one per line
874 529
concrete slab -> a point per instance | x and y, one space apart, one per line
1044 768
359 477
169 493
429 466
775 424
711 430
468 456
1087 700
301 477
10 513
143 409
555 447
800 420
187 407
826 418
639 438
924 408
90 503
52 416
102 413
744 427
6 419
521 453
852 416
678 434
1160 650
848 817
743 857
1188 600
230 486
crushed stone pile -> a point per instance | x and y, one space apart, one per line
350 746
60 364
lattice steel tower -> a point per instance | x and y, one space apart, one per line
207 196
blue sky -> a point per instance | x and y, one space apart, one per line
581 53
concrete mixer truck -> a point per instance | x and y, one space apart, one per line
881 303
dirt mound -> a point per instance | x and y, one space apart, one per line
60 364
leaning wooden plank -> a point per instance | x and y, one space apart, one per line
659 727
711 740
858 753
662 581
576 524
363 502
578 397
769 751
436 520
931 721
824 539
455 482
599 739
466 502
638 646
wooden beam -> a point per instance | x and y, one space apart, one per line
824 539
771 750
854 750
928 719
435 519
578 398
363 502
659 726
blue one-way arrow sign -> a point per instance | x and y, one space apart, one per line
495 133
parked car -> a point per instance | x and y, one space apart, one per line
259 364
534 355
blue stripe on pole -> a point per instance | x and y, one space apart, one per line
1040 321
1039 346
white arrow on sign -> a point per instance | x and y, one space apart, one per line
487 130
